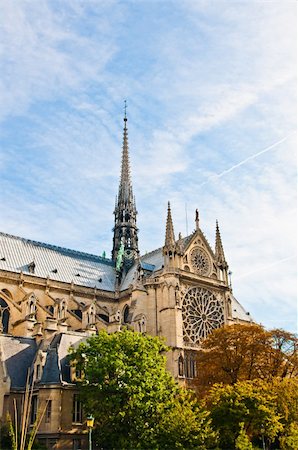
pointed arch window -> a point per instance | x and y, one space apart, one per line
91 315
190 369
125 314
181 366
32 306
62 310
4 316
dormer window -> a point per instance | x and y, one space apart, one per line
31 267
31 306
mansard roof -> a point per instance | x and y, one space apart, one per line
58 263
20 352
17 355
57 368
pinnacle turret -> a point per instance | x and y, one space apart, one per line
219 251
170 236
125 229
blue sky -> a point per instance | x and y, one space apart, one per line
211 93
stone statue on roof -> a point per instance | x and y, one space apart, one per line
119 260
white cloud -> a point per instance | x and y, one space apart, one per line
45 56
210 87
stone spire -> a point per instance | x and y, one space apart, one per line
170 236
219 251
125 187
125 228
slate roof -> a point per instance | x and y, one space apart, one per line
152 261
18 354
238 312
57 263
57 367
51 372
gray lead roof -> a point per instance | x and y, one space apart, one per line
17 353
57 263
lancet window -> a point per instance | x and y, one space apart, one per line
4 316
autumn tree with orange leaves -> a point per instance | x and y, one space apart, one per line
245 352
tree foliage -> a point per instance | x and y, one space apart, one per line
135 401
246 352
243 442
247 406
255 410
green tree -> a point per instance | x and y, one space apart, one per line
289 441
249 406
135 401
286 391
186 425
243 442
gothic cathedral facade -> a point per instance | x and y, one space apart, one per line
54 296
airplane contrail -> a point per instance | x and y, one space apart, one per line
274 263
219 175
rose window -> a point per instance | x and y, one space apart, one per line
202 312
200 261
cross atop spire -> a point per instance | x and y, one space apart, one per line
170 236
125 107
219 251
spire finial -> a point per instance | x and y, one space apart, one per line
125 117
170 236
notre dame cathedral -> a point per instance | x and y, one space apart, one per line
51 298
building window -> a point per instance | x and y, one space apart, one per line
32 306
31 267
48 413
125 314
33 414
180 366
77 409
50 308
190 366
38 371
4 316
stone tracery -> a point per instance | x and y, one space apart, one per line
200 261
201 312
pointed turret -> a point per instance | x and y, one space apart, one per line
219 251
220 256
170 236
171 249
125 229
